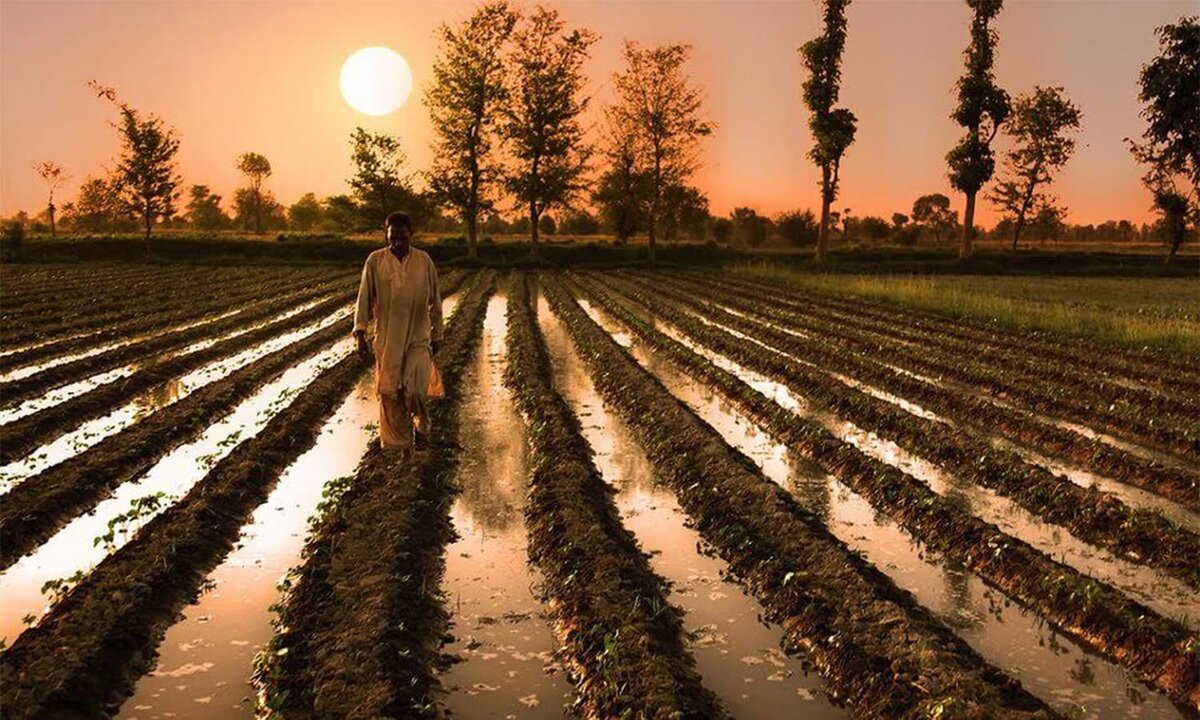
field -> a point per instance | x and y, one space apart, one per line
681 493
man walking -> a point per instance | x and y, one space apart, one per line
399 289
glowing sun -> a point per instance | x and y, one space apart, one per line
376 81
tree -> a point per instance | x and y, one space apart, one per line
257 169
621 192
146 172
799 227
1040 125
257 210
98 208
378 183
982 108
547 226
832 128
579 222
721 229
341 213
543 115
661 111
749 228
684 209
465 101
54 176
305 214
1170 147
872 227
933 213
204 209
899 220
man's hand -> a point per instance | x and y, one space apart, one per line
433 347
364 350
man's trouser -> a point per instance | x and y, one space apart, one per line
396 413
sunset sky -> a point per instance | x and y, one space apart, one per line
263 76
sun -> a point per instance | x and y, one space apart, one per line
376 81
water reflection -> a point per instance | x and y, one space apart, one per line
1002 632
206 659
75 547
738 657
502 638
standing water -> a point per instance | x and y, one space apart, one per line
502 639
738 657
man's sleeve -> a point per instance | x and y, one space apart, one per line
435 306
366 291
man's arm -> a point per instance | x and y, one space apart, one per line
362 310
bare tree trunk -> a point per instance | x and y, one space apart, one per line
653 255
1017 231
534 217
473 235
149 222
823 231
965 248
53 230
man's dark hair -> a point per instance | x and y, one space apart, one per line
399 217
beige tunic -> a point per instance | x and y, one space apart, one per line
403 298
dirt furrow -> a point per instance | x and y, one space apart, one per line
622 640
84 655
1174 434
361 625
1137 535
1159 651
879 652
1177 484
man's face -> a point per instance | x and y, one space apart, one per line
399 237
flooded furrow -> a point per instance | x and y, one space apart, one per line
206 659
1046 662
1166 595
93 431
88 539
66 392
37 367
737 655
503 643
1131 495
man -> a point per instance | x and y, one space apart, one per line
399 289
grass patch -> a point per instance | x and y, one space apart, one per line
1160 314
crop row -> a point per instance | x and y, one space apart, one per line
34 509
102 635
360 628
1179 434
1144 366
1161 652
145 350
26 434
24 285
620 638
87 331
96 305
1004 366
880 652
1140 536
1177 484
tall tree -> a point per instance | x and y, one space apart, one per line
257 169
1041 126
657 102
1170 147
146 172
832 128
54 176
379 183
306 213
982 109
933 213
465 101
543 114
98 208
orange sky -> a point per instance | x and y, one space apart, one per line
263 76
